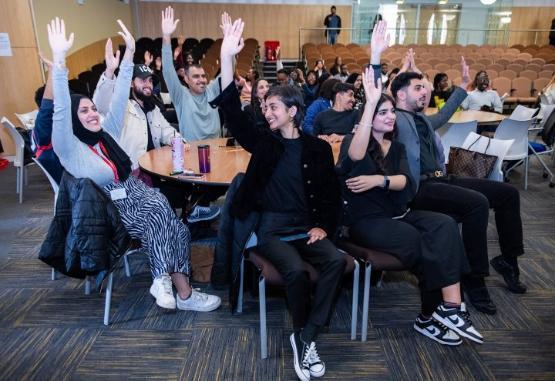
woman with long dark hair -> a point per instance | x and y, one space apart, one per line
290 182
377 190
355 79
441 91
87 148
257 106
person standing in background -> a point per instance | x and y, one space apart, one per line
332 23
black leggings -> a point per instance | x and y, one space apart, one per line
428 243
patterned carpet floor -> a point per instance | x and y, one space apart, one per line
50 330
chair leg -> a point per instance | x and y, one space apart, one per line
262 304
354 308
241 284
17 175
526 173
108 301
126 265
22 176
364 330
53 274
87 286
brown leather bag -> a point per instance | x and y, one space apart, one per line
466 163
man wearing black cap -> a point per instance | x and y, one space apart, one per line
145 126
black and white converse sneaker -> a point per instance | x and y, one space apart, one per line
459 321
301 354
316 366
436 331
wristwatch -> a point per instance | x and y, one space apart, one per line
385 183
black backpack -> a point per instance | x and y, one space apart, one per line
27 151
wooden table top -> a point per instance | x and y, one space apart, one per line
470 115
225 162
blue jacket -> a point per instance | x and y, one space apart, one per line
319 105
42 136
408 135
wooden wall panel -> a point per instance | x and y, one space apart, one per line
531 18
20 74
88 56
262 21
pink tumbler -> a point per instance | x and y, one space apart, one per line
204 158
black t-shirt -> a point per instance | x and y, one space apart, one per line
335 122
428 154
375 202
150 144
285 190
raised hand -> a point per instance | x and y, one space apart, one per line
177 52
379 42
232 43
372 90
465 73
57 37
112 60
127 37
168 23
148 58
406 63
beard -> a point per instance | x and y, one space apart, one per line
148 100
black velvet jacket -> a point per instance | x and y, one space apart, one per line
320 182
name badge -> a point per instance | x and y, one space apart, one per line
118 194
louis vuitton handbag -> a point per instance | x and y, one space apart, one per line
467 163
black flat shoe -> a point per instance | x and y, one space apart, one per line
479 298
509 273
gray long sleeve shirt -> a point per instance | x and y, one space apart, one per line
197 119
77 157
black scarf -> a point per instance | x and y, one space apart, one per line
114 151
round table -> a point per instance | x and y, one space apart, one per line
482 117
225 162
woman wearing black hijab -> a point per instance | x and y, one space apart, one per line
87 148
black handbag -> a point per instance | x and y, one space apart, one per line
466 163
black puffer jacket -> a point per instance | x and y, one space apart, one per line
320 182
86 235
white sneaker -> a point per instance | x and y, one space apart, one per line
316 366
162 290
199 301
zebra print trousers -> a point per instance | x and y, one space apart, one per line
148 217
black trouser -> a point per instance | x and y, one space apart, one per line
427 243
468 200
289 258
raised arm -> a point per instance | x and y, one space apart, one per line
379 42
42 133
232 44
105 87
63 140
170 75
361 138
113 123
454 101
237 121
